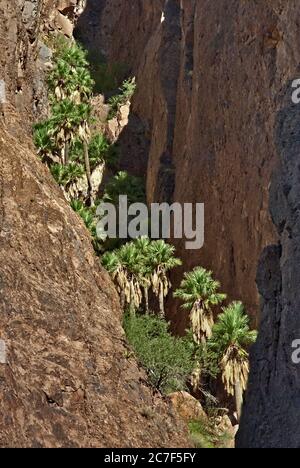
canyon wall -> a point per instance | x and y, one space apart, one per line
214 102
67 376
272 410
212 122
208 74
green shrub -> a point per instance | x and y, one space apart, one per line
89 218
42 138
101 151
126 92
201 434
206 435
65 175
167 359
125 184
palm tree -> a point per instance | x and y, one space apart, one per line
124 267
70 77
161 260
84 134
230 341
58 173
75 56
66 175
199 293
83 85
59 80
42 138
142 245
99 147
124 183
66 121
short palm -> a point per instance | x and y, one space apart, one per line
161 260
98 149
124 183
199 292
231 339
42 138
124 265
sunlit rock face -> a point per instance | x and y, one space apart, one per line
66 375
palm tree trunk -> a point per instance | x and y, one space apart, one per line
146 295
88 171
161 303
66 153
238 399
122 300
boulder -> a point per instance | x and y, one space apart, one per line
187 406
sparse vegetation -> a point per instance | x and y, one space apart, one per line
124 95
204 434
167 359
107 76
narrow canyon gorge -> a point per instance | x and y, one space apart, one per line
212 121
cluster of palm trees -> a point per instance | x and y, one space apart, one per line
143 266
228 339
64 140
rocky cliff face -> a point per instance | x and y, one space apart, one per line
214 102
66 375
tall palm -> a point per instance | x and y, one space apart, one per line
60 80
124 267
199 292
143 245
161 261
99 147
83 85
42 138
72 82
84 134
230 341
66 122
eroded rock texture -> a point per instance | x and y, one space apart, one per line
67 378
